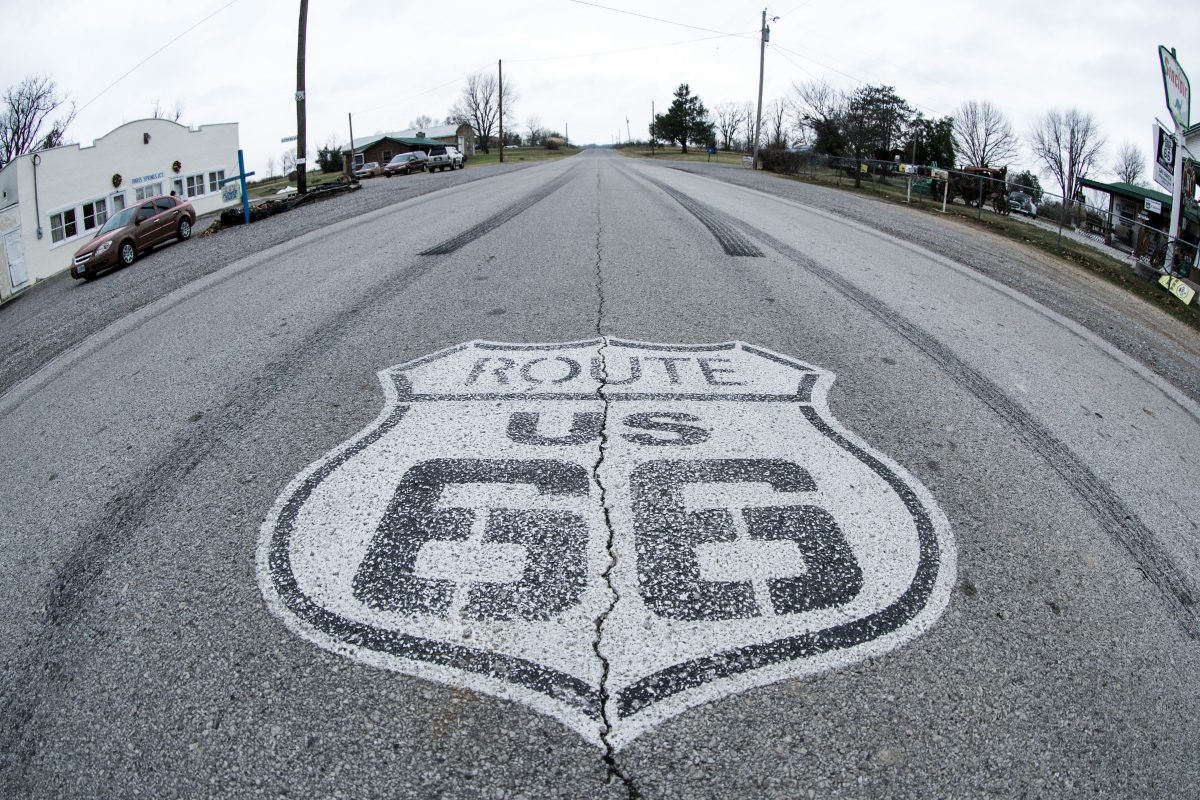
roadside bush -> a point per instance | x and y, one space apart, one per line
554 143
778 160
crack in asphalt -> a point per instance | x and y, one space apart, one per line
610 755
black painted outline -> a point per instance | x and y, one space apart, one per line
561 686
517 671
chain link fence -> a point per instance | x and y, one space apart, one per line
1121 231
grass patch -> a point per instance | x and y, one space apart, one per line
675 154
268 187
513 156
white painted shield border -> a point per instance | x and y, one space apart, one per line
565 697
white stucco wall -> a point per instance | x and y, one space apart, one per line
71 176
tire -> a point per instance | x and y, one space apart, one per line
127 253
184 232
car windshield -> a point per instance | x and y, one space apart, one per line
119 221
400 159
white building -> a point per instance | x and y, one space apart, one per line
52 201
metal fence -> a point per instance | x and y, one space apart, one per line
1142 245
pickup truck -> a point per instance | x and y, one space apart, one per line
445 158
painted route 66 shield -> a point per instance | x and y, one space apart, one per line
610 532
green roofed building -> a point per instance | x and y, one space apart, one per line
381 147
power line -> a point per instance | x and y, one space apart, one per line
628 49
655 19
427 91
156 52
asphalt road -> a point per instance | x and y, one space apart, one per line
782 505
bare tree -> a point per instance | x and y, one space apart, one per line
533 132
161 113
27 109
727 118
747 126
983 134
270 166
479 104
288 162
819 107
1069 144
775 124
1130 163
421 123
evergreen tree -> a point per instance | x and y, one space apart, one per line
686 121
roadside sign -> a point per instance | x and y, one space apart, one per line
1164 156
1178 288
609 532
1153 206
1176 87
940 174
288 139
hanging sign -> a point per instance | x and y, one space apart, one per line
1178 89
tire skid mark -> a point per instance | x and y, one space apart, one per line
72 590
727 233
1120 521
499 218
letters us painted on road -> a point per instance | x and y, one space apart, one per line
687 520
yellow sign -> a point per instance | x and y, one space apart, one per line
1177 288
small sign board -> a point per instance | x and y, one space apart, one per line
941 174
1176 86
288 139
1178 288
1153 206
1164 157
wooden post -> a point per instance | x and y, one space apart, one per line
301 136
350 169
500 71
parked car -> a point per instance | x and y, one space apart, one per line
445 158
1022 203
132 232
406 164
371 169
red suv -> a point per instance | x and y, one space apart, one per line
133 231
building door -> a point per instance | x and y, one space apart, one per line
14 252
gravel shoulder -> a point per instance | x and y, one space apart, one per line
1129 323
60 312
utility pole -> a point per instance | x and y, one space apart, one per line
350 119
628 135
301 136
567 126
653 135
500 71
762 57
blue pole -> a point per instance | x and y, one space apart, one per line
245 197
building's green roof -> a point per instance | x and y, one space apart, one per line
1128 190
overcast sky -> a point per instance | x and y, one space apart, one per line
388 62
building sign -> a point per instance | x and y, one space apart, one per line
1153 206
1178 89
609 532
1164 157
147 178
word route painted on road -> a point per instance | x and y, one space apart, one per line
675 522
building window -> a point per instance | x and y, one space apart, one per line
387 156
149 190
118 202
177 187
195 185
62 225
94 214
214 180
359 160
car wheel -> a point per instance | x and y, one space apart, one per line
185 230
128 253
